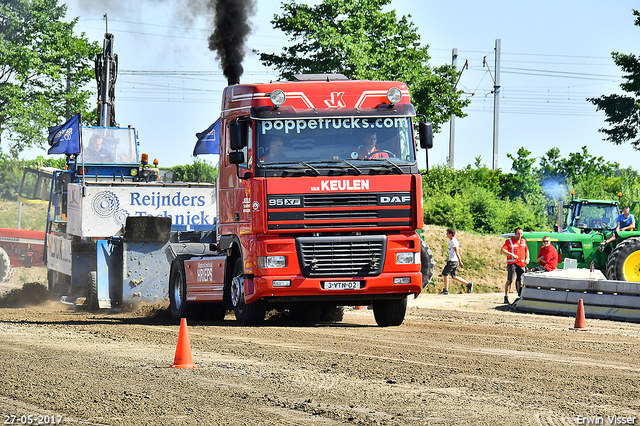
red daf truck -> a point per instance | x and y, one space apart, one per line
319 199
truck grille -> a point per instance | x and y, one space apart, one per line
354 256
350 210
340 200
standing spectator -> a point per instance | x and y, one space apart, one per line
451 268
624 222
517 252
547 256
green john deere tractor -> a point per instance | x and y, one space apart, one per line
589 223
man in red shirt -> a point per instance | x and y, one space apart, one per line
547 256
517 252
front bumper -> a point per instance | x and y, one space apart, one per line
313 289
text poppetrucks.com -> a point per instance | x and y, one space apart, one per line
606 420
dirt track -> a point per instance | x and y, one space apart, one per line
461 359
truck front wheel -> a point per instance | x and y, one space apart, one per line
428 263
389 312
246 313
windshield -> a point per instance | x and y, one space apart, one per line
596 216
358 140
108 145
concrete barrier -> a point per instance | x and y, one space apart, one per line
558 292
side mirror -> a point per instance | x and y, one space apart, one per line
425 130
237 134
236 157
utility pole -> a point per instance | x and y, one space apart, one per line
452 132
452 124
496 106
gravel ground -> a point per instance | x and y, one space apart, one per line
459 359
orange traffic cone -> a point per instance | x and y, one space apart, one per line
580 324
183 350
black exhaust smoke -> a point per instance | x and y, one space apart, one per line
231 29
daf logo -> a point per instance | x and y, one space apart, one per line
284 202
395 199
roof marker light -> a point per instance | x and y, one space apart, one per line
277 97
394 95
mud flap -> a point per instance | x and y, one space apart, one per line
108 273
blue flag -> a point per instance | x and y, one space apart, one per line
65 138
208 141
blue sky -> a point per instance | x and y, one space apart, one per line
554 55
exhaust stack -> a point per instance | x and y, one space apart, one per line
231 29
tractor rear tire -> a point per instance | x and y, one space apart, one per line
623 263
5 266
428 263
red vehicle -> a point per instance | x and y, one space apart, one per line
319 200
20 247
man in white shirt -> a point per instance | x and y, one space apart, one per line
451 268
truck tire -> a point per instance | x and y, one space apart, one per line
332 313
5 266
178 291
246 313
92 292
623 263
428 263
389 312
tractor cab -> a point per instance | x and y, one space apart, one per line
585 216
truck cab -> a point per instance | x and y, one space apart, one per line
320 197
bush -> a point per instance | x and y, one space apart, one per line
485 209
445 210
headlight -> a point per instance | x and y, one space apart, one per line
272 261
394 95
405 258
277 97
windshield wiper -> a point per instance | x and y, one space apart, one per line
394 165
310 167
358 171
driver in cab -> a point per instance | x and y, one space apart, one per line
368 149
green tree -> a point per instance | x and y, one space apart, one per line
357 39
199 171
43 70
623 111
523 181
